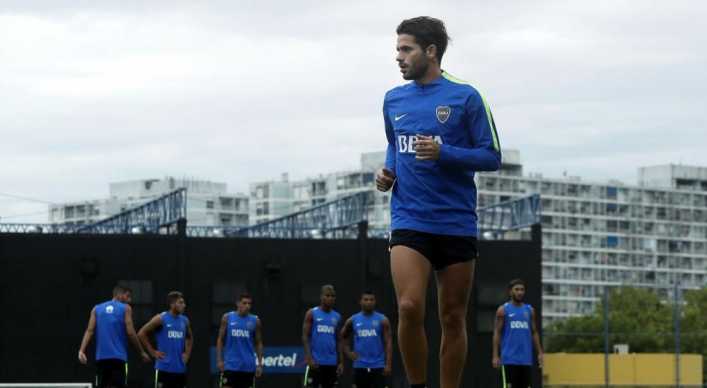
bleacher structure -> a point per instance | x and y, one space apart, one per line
345 217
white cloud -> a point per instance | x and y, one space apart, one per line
238 91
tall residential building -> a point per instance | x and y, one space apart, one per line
270 199
208 203
595 234
608 234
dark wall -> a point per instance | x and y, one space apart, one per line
49 283
501 261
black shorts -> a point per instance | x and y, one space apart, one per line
323 376
369 378
516 376
111 373
170 380
440 250
235 379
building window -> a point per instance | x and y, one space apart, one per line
226 219
209 204
227 203
611 208
611 192
612 241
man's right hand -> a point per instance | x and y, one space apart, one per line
496 362
311 363
82 357
158 355
353 356
219 364
384 179
145 357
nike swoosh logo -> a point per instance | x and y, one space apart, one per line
400 117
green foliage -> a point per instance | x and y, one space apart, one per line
637 317
694 325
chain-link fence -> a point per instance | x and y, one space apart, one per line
632 339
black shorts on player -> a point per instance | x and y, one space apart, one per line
323 376
369 378
440 249
234 379
516 376
170 380
111 373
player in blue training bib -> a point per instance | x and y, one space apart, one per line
112 323
174 343
241 332
320 339
372 353
515 333
440 132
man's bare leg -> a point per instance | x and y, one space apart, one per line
411 272
453 290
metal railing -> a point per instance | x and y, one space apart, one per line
509 215
160 215
339 218
334 219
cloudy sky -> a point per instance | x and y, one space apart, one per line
93 92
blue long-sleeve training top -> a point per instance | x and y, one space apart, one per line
438 196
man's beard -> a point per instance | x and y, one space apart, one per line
416 72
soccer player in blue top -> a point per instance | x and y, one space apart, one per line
112 323
174 343
243 340
320 332
516 332
373 345
440 133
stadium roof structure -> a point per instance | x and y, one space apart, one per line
345 217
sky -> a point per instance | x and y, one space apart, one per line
94 92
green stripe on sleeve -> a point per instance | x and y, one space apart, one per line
492 125
489 116
453 78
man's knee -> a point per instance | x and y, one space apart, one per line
453 320
411 311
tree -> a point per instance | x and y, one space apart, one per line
693 338
637 317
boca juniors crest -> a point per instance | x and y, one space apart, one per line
443 112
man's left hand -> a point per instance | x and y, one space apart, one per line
426 148
388 370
